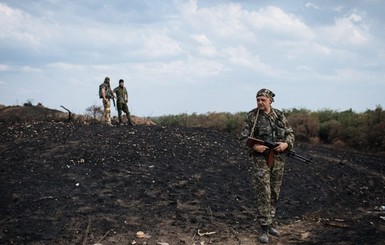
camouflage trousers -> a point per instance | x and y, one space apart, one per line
122 107
107 111
267 185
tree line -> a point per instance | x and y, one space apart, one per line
343 129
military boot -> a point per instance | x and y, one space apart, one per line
273 231
129 121
264 236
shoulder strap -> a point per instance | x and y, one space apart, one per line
275 113
255 123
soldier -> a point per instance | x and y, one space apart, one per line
122 99
106 94
267 123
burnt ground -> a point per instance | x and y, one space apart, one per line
77 183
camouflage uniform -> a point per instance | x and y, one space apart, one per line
106 103
122 99
267 181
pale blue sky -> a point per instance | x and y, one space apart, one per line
196 56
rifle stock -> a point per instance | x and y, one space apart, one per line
252 141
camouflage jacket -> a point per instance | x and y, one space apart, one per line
107 89
121 94
272 126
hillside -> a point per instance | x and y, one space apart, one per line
17 114
27 114
76 183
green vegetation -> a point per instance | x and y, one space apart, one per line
223 121
345 129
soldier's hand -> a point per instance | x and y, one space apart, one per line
282 146
260 148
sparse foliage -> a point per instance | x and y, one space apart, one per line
95 112
342 129
28 103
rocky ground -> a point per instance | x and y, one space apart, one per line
77 183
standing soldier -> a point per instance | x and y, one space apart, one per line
122 99
267 123
106 94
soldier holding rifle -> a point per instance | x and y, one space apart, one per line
122 99
267 124
105 93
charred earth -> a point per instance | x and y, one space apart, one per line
76 183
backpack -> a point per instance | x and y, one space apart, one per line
100 90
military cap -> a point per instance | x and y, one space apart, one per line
267 93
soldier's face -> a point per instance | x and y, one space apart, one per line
263 102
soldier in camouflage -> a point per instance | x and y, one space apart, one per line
267 123
106 94
122 99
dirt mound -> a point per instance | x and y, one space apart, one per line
65 183
25 114
13 114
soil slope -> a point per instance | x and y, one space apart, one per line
76 183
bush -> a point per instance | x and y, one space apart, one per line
342 129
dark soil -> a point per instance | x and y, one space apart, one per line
76 183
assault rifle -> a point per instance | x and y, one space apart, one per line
252 141
113 100
111 95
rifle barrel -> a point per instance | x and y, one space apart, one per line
293 154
